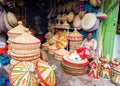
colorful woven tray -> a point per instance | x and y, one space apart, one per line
23 74
45 73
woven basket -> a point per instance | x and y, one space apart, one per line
45 46
96 3
75 36
73 62
60 53
45 73
73 72
15 61
24 57
52 49
25 51
25 42
18 30
20 72
48 35
11 18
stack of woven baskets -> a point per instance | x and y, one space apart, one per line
74 64
16 31
75 39
25 47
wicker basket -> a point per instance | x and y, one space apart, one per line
20 72
25 51
60 53
45 73
24 57
45 46
25 42
18 30
75 36
48 35
11 18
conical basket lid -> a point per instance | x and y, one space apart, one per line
19 29
45 73
23 74
75 35
25 38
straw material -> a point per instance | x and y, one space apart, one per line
25 51
73 72
45 73
14 61
20 72
60 53
75 35
88 21
18 30
24 57
48 35
77 22
72 67
6 23
69 61
12 20
25 42
45 46
96 3
71 17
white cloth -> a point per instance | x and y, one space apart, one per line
92 43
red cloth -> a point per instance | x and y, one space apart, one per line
83 52
3 50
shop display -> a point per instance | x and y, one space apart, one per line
73 63
45 73
20 73
60 53
75 39
90 22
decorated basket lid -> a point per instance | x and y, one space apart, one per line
75 35
48 35
23 74
12 20
74 59
26 38
62 42
19 29
45 73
